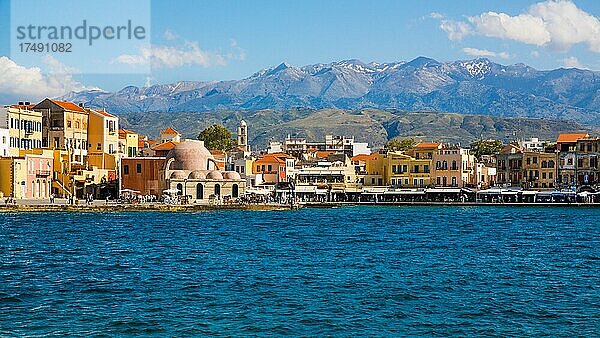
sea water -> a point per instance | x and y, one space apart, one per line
351 271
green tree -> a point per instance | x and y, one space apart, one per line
398 144
217 137
485 147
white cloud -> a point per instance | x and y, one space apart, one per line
22 83
535 53
557 25
436 15
173 56
456 30
169 35
572 62
525 28
485 53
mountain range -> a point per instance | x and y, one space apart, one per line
477 86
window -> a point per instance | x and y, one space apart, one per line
438 180
528 161
138 168
394 168
199 191
126 169
269 168
99 146
235 191
425 168
454 167
438 165
543 176
534 160
445 165
550 175
217 189
68 123
179 189
544 164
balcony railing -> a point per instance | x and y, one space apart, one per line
44 173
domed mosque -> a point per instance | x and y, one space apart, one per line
191 170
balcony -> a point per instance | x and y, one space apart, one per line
43 173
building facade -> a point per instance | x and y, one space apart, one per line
27 176
65 126
24 127
142 174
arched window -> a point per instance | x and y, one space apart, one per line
217 189
454 165
438 165
199 191
235 191
445 165
179 189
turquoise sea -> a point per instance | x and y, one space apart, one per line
352 271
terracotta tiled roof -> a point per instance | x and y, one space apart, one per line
22 106
363 157
509 149
123 132
272 158
68 106
165 146
102 112
170 131
323 153
570 137
428 145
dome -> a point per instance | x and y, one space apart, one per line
214 175
177 174
196 175
189 155
231 175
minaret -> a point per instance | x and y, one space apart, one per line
242 136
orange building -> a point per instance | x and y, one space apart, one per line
273 168
142 174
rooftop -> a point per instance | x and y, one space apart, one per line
570 137
170 131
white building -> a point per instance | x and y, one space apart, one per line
4 142
533 144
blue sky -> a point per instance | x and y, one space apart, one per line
223 40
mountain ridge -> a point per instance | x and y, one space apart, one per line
475 86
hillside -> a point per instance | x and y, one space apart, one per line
367 125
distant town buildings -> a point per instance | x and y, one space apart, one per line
64 149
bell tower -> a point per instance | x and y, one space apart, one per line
242 136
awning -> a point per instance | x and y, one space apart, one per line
444 191
405 192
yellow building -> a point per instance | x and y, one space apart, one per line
103 139
65 127
24 127
398 169
128 143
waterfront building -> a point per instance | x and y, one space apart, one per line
28 175
191 170
24 127
566 146
485 175
4 142
65 126
453 167
103 136
333 179
103 140
397 169
272 169
527 169
142 174
128 143
539 170
509 165
296 146
588 154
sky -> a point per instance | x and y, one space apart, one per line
225 40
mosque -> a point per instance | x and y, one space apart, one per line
191 170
